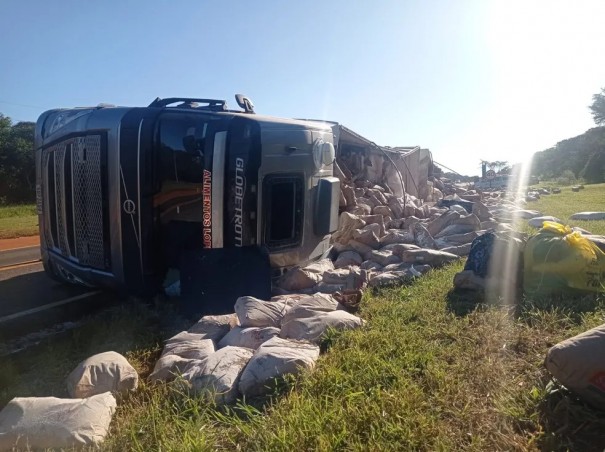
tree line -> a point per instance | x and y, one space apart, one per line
17 166
584 155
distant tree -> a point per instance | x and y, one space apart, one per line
497 166
584 156
598 107
594 170
456 176
567 177
507 169
17 166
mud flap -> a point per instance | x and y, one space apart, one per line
213 279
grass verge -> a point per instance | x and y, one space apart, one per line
418 376
18 221
565 204
431 370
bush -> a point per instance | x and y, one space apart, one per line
567 178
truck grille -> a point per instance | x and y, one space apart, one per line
76 221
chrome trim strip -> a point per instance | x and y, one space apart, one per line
58 244
75 254
218 188
63 211
139 194
114 166
48 241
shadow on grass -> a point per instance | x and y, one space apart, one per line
572 306
133 329
463 302
570 424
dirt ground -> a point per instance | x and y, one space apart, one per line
19 242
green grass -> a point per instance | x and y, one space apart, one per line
418 376
18 221
565 204
430 370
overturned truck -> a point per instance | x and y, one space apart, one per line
223 198
218 202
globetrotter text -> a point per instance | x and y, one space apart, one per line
240 191
207 208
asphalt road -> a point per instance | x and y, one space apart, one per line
31 300
19 255
25 287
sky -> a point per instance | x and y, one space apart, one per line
468 79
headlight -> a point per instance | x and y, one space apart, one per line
323 153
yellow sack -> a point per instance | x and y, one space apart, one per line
557 258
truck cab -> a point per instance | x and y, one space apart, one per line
124 194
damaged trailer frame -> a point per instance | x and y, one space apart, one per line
401 170
125 194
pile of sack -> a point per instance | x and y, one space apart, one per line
242 354
220 357
76 422
378 244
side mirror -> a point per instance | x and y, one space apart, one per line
245 103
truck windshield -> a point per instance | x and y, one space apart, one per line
185 145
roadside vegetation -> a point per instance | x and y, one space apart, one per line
430 370
565 204
18 221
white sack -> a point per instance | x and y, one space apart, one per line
481 211
392 278
397 236
367 237
579 365
313 328
348 258
588 216
433 258
189 349
169 366
214 326
384 257
219 375
311 306
328 288
537 222
371 265
185 336
49 422
275 358
441 222
363 250
254 312
298 279
320 266
338 276
455 229
422 237
248 337
101 373
529 214
347 223
460 250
